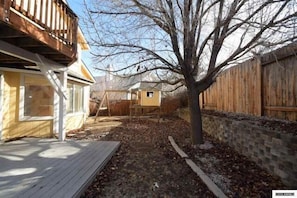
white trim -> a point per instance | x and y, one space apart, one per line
62 105
75 114
20 70
21 116
1 102
26 18
34 118
56 114
86 101
79 81
39 72
82 87
22 98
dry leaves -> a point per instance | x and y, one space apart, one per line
147 166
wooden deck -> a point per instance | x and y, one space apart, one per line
48 168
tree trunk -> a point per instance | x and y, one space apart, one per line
195 116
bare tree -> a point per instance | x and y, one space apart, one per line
189 40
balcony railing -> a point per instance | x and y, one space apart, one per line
54 16
51 22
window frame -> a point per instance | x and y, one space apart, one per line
74 100
22 116
149 94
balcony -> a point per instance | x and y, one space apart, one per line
45 27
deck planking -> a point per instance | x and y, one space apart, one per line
47 168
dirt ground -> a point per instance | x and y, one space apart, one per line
146 165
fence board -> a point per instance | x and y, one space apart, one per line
256 89
233 89
280 91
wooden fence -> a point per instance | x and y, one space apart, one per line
266 86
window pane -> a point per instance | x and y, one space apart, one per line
69 104
38 100
75 98
149 94
78 98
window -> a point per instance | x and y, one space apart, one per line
150 94
37 98
75 98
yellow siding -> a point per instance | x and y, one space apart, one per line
86 73
74 121
36 79
12 127
150 101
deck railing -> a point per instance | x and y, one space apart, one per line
52 16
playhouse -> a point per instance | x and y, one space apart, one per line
145 97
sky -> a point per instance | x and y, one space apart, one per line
77 6
230 43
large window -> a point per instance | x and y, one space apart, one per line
75 98
38 97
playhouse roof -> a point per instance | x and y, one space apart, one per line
146 86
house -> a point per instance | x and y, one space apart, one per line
113 82
44 85
131 93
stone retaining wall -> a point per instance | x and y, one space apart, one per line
270 149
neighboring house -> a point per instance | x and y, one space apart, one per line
44 85
110 82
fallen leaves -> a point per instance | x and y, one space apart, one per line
147 166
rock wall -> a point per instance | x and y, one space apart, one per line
271 149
